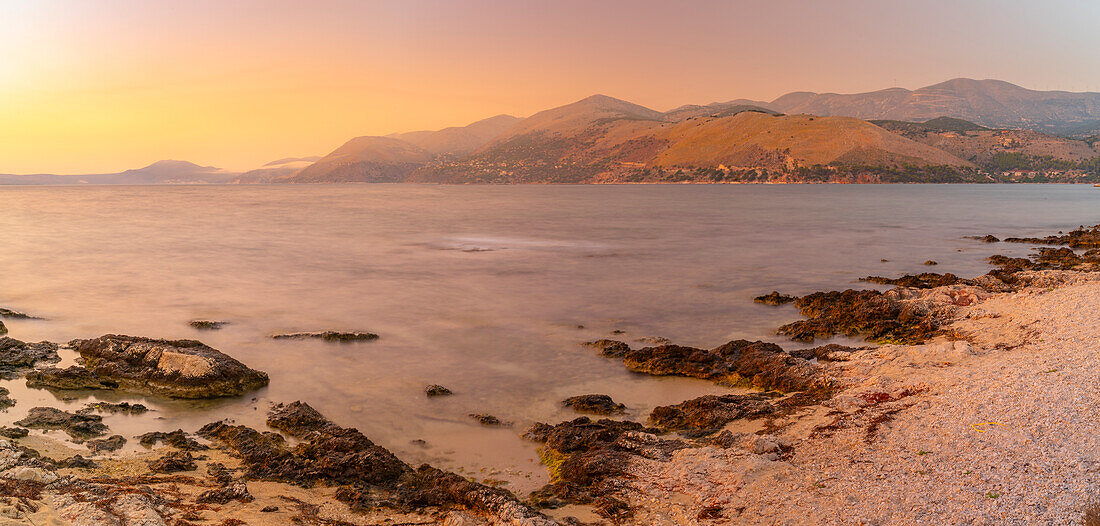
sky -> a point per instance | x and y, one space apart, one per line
100 86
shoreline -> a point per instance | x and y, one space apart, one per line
879 422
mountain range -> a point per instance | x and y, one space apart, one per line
956 131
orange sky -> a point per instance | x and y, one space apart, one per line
102 85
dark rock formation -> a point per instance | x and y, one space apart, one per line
173 462
108 407
207 325
330 336
369 475
177 439
599 404
1080 238
610 348
77 426
231 491
827 353
113 443
176 369
710 412
930 263
489 420
988 238
76 462
924 280
436 390
853 313
586 460
16 355
8 313
740 362
774 298
13 432
5 400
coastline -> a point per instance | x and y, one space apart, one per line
989 417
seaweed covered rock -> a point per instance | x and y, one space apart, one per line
173 462
599 404
112 443
207 325
710 412
1082 237
177 439
369 475
869 313
172 368
587 460
774 298
113 408
76 425
15 355
740 362
924 280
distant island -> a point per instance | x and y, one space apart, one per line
960 131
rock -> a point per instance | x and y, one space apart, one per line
611 348
1080 238
13 432
173 462
77 462
367 473
330 336
176 369
3 329
177 439
113 443
879 316
30 474
107 407
774 298
930 263
924 280
710 412
15 355
436 390
586 459
5 401
740 362
825 353
232 491
988 238
8 313
594 403
207 325
489 420
654 340
269 509
76 425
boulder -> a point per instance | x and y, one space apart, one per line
171 368
599 404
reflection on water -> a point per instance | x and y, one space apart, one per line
486 290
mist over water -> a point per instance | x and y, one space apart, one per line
482 289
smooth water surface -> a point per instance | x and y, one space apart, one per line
483 289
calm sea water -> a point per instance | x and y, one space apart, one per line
478 288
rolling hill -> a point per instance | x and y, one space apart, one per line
160 172
991 103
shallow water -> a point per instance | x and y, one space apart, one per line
478 288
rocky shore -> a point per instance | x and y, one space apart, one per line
973 401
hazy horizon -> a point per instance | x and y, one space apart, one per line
101 87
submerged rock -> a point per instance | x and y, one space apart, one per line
599 404
436 390
76 425
740 362
172 368
329 336
489 420
108 407
113 443
8 313
207 325
774 298
711 412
